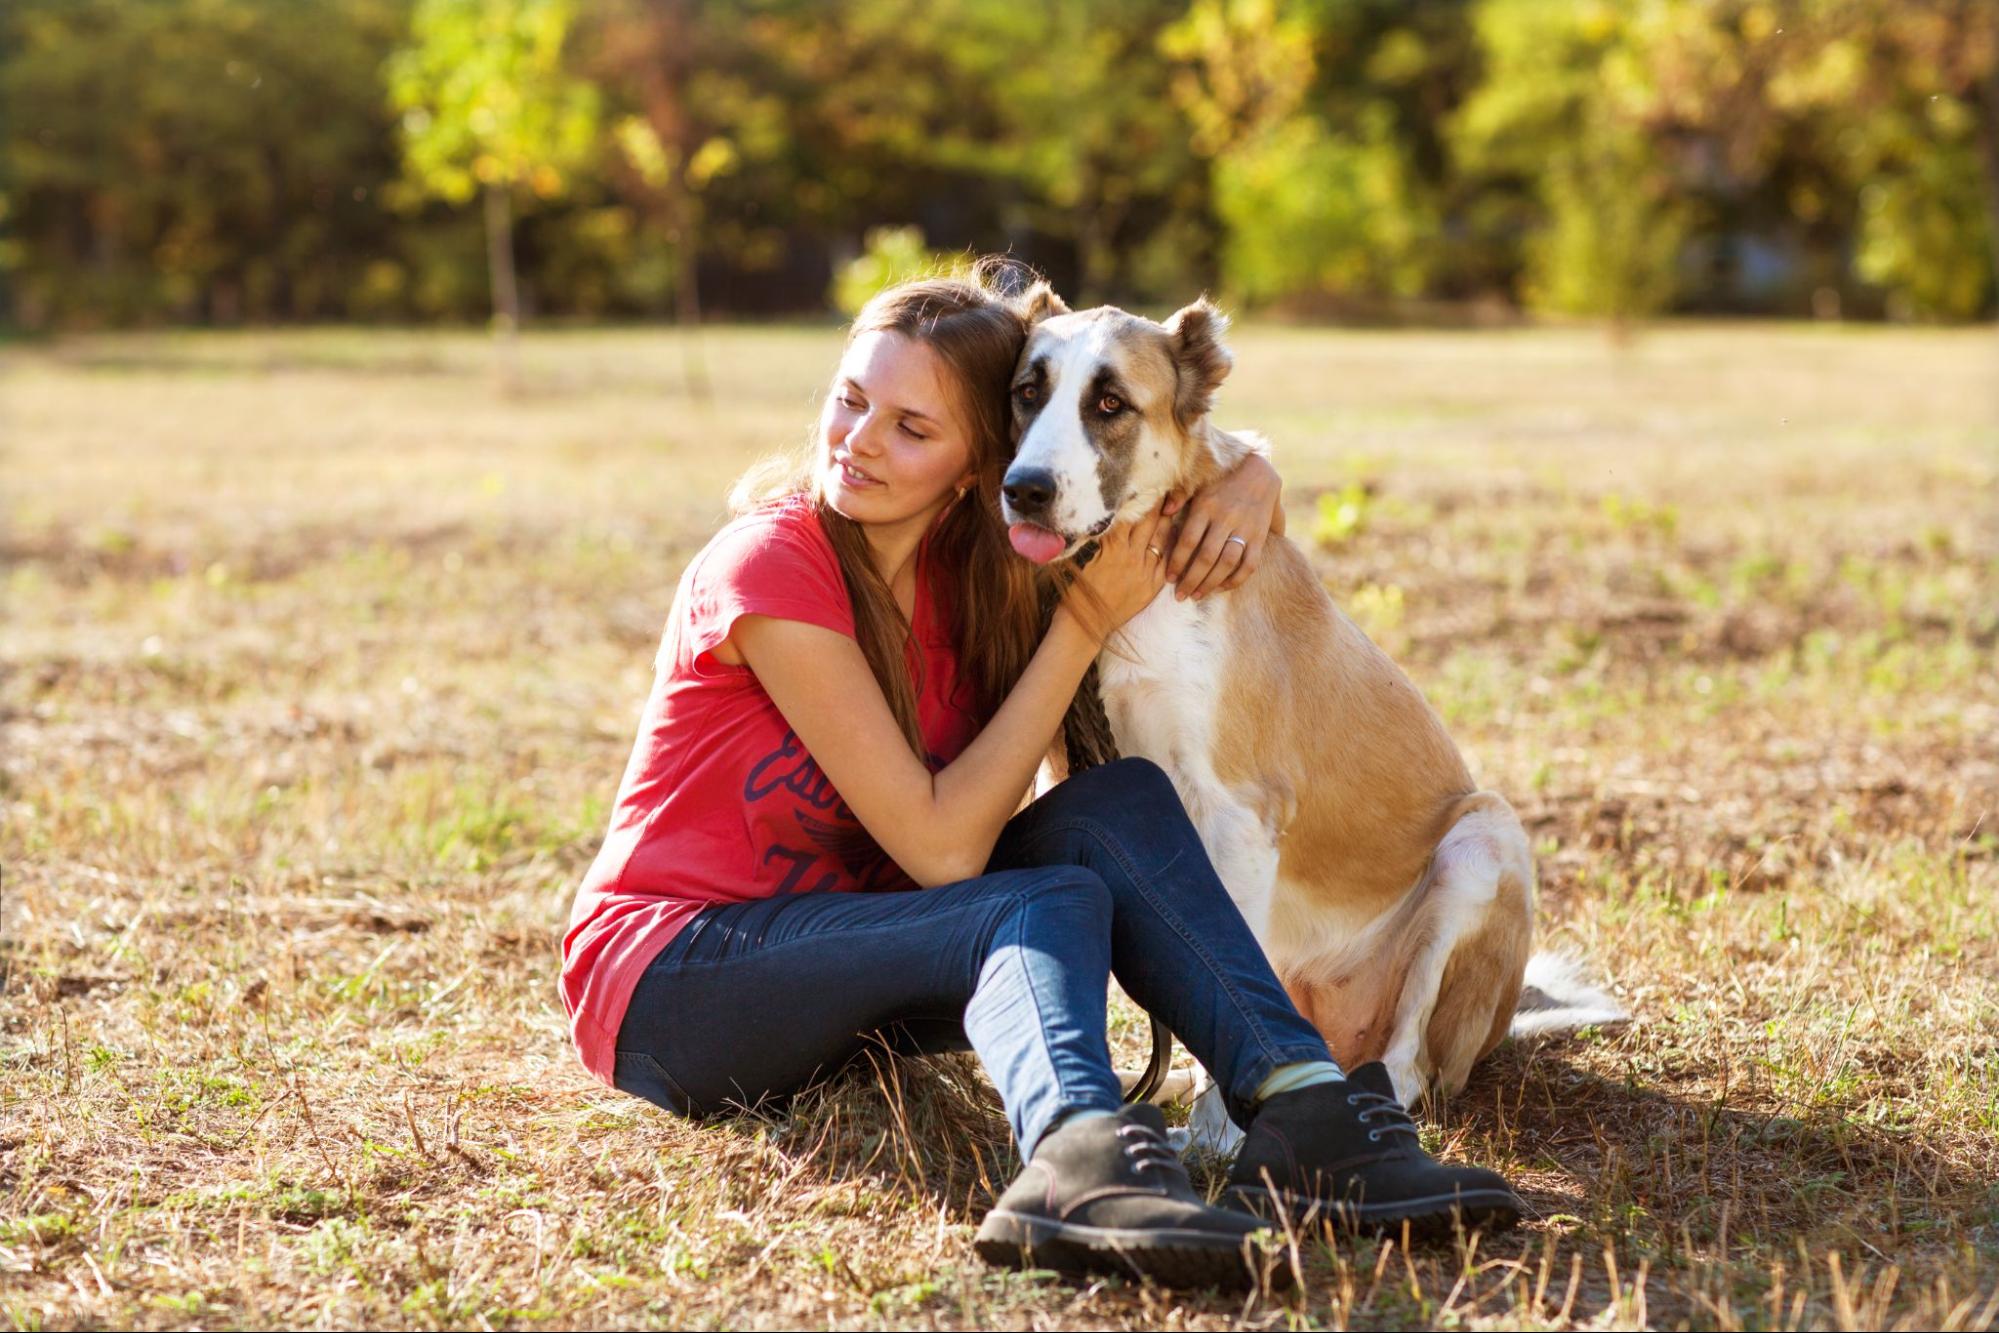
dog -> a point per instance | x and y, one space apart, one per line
1394 898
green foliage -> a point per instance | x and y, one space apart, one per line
211 160
1306 209
1324 178
1925 231
1614 233
1922 234
1060 119
1342 515
1563 106
485 99
1631 515
228 160
893 254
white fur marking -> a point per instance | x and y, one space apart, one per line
1056 440
1572 1002
1469 862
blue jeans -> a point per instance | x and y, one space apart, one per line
1103 876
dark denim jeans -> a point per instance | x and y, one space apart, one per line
1103 876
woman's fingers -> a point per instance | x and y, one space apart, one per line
1158 533
1194 525
1214 562
1252 559
1128 572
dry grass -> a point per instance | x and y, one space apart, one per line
322 662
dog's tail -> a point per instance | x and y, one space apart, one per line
1555 998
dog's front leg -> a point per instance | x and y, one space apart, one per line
1210 1132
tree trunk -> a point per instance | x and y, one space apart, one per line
686 283
665 92
506 291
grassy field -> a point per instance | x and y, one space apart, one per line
322 661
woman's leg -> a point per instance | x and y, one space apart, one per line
1179 947
754 999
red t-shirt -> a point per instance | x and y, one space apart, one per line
720 803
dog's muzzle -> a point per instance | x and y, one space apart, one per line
1030 492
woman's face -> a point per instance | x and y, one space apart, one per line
897 445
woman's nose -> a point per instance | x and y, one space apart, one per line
861 433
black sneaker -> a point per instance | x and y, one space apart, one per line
1347 1153
1109 1194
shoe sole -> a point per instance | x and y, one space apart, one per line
1171 1257
1430 1218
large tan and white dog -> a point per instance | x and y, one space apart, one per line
1394 898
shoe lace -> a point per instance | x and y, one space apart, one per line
1394 1119
1147 1147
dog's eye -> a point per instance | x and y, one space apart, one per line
1028 393
1110 404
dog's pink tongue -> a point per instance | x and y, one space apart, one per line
1036 543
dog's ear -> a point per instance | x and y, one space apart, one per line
1040 302
1198 354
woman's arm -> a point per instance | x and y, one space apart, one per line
1248 503
941 828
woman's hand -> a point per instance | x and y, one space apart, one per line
1123 577
1246 504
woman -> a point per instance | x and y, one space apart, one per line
853 695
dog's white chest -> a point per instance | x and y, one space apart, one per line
1161 698
1161 702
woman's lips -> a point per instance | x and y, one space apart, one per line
853 476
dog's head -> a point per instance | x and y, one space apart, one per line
1109 413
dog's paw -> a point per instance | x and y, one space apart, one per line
1210 1132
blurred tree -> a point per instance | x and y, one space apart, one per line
1087 128
1902 100
1056 117
1319 115
222 160
488 107
893 254
1872 129
212 160
653 47
1563 108
689 86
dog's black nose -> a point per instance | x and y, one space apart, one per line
1029 490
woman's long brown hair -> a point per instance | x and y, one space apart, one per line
1001 607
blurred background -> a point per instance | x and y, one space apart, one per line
225 162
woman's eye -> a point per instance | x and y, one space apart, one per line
1110 404
913 434
851 403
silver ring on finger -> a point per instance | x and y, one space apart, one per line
1239 542
1155 551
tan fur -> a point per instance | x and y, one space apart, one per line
1359 776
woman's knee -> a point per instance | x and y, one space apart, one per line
1071 891
1124 786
